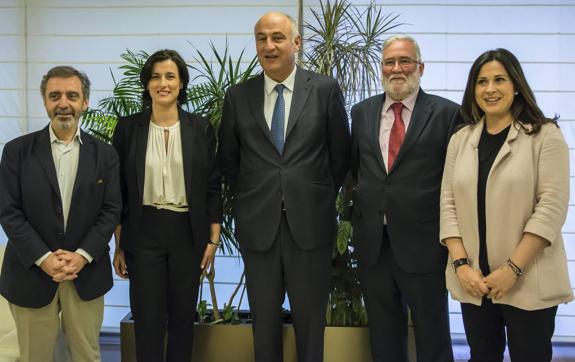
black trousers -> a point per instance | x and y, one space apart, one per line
164 271
528 332
388 293
305 274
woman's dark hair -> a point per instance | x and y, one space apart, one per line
524 108
160 56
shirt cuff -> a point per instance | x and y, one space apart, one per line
41 259
85 254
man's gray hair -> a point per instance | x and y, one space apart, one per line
402 37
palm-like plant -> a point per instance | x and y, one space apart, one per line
344 43
126 98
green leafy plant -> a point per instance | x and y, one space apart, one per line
344 42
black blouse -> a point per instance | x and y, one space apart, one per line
489 146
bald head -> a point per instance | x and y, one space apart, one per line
277 43
278 16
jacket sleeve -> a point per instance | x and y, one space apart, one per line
552 189
21 235
214 191
120 143
228 157
448 223
339 142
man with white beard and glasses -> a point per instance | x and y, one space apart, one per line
399 142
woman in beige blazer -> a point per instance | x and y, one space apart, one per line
504 199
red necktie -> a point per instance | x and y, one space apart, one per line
397 134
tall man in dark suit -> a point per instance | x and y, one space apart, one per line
284 149
59 203
399 143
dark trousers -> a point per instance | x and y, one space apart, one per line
528 332
164 271
305 274
388 292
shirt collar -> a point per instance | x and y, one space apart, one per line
54 138
288 82
408 102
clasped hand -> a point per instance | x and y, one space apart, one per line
63 265
495 285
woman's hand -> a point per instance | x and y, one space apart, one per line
471 281
209 255
500 281
120 264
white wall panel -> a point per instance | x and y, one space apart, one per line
91 35
57 49
139 4
162 20
10 21
11 103
12 76
9 128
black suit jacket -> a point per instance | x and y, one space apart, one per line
306 177
202 180
409 194
31 216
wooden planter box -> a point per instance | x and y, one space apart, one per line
224 343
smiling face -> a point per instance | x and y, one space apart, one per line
494 91
65 103
276 45
164 84
400 81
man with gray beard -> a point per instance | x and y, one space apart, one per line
399 141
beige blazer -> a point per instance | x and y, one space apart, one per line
527 191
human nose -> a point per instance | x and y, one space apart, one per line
268 45
63 102
490 87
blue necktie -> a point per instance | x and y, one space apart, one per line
278 120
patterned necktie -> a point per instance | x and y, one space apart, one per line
397 134
278 120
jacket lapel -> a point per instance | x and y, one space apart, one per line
373 114
256 105
188 132
86 159
506 146
419 118
302 87
142 130
44 154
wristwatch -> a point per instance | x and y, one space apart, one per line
459 262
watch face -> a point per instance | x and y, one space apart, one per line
459 262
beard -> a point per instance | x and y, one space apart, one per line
399 92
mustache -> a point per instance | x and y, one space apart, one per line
397 76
